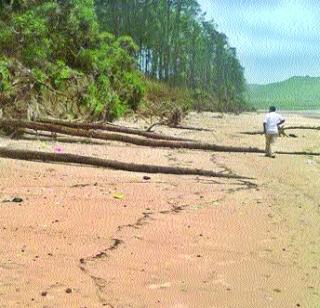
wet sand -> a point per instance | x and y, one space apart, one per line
89 237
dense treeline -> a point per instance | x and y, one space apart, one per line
177 45
56 52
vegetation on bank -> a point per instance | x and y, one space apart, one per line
296 93
100 59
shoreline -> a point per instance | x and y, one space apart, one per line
312 114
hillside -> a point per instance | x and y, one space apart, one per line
295 93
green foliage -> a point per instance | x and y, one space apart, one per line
128 44
5 85
101 98
31 34
39 75
62 45
134 90
93 50
59 73
178 46
161 98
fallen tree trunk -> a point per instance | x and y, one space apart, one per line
134 140
284 129
298 153
112 128
253 133
302 127
123 138
41 134
29 134
111 164
200 129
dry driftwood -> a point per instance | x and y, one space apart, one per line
112 128
111 164
134 140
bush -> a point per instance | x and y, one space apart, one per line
134 90
61 44
4 75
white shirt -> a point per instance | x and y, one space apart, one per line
272 119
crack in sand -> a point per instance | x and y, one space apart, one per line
104 253
101 283
175 209
140 222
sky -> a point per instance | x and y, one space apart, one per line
275 39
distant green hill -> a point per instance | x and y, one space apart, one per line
296 93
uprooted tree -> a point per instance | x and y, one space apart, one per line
282 131
98 162
107 136
111 127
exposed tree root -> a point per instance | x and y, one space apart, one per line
178 127
111 164
154 125
112 128
200 129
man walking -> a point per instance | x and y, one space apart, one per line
271 124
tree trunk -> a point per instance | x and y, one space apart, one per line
134 140
284 129
122 138
112 128
111 164
302 127
176 33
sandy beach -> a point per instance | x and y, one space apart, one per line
90 237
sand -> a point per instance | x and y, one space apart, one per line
90 237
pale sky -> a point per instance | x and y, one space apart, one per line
275 39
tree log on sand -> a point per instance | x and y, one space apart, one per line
123 138
111 164
137 141
112 128
284 129
302 127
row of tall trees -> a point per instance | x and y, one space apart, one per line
178 45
